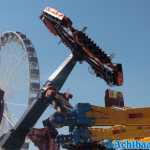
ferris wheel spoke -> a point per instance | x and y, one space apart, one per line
8 119
16 104
12 73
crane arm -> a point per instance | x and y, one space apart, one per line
83 48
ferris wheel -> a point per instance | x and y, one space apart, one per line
19 77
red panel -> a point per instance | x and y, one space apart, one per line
42 139
135 115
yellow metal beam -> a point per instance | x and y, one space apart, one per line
121 133
111 116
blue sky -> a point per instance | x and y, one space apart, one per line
119 27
